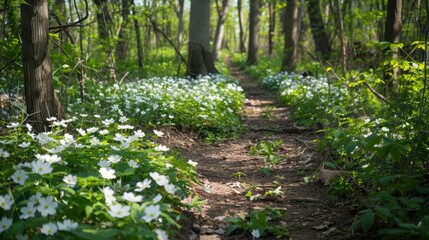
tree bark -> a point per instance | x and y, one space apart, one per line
392 34
220 28
321 40
343 46
40 98
140 58
122 48
252 54
290 49
200 59
241 28
271 26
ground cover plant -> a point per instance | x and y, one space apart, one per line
101 174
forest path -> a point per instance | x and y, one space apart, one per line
228 170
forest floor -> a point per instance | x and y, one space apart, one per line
311 212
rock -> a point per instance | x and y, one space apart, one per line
210 237
193 236
196 227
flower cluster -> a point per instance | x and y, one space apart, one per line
61 177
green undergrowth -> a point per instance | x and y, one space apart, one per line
377 138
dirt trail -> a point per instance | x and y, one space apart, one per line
311 212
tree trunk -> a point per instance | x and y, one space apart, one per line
392 34
290 22
180 26
252 54
200 59
240 25
40 98
271 26
138 36
343 46
104 19
122 48
321 40
220 28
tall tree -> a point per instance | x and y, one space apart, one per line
179 9
321 40
290 23
241 28
200 59
343 47
40 98
138 35
271 25
222 13
392 34
252 54
122 48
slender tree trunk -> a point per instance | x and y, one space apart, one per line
343 46
240 25
137 30
40 98
271 26
392 34
291 35
122 48
180 26
252 54
200 59
104 19
220 28
321 40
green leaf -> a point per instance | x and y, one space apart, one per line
330 165
367 220
383 212
350 148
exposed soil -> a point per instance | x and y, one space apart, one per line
311 212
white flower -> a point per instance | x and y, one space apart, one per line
41 167
4 154
56 149
12 125
133 164
5 224
255 233
151 212
160 179
119 211
161 234
44 138
24 145
104 132
49 229
158 133
104 163
29 127
34 199
108 195
47 206
139 133
118 137
121 127
70 180
170 188
192 163
161 148
114 158
143 185
81 131
130 197
123 119
107 122
49 158
51 119
19 177
107 173
168 165
67 225
157 198
6 202
92 130
28 211
94 141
